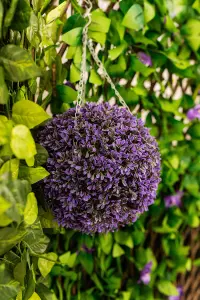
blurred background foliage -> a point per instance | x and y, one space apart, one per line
151 51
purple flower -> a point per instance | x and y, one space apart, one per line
194 113
180 294
104 167
174 200
145 274
145 59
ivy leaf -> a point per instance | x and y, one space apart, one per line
9 237
74 21
167 288
20 272
33 175
18 63
117 250
29 113
66 93
31 209
86 261
123 238
149 11
3 88
68 259
23 144
56 12
41 156
106 241
35 239
100 23
22 16
10 290
11 166
35 296
95 78
134 18
117 51
46 265
73 37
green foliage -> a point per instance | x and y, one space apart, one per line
41 49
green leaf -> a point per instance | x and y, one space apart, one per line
11 166
66 93
97 282
190 182
33 175
56 12
31 209
4 205
41 156
10 13
167 288
22 16
193 221
106 242
86 261
46 265
134 18
99 37
73 37
117 250
18 63
170 106
10 290
1 17
74 74
5 130
117 51
123 238
95 78
20 272
3 88
138 66
149 11
35 239
194 131
29 113
35 296
23 144
100 22
68 259
5 220
74 21
9 237
191 30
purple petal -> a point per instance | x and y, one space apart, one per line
194 113
145 59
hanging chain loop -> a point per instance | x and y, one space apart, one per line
105 73
83 79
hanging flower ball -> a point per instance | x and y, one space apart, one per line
104 167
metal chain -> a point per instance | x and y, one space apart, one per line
82 82
105 73
83 79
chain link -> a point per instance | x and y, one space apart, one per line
89 43
83 79
105 73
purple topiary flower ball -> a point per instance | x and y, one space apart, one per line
104 166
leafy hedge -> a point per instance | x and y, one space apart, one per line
151 51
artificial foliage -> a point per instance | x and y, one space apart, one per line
151 51
104 166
